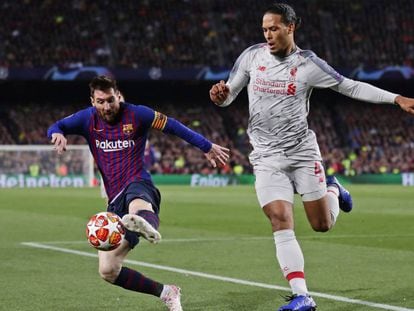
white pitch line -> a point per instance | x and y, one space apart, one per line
180 240
254 238
221 278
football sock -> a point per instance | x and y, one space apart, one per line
298 286
151 217
135 281
291 261
333 202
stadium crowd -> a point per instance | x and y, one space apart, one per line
355 138
180 33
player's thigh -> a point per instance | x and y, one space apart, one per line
310 183
309 180
138 205
142 196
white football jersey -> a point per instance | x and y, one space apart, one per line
279 90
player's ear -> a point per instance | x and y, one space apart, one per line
291 28
92 102
121 97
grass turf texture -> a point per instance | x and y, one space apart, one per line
369 255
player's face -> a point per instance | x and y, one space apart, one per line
279 36
107 103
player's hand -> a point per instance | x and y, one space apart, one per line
59 142
217 155
219 93
406 104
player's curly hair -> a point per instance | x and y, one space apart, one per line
102 83
287 12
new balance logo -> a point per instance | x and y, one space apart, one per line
114 145
261 68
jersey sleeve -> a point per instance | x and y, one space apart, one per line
76 123
239 76
144 114
159 121
320 73
364 92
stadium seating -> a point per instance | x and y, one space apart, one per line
354 138
180 33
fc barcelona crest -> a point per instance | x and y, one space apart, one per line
127 128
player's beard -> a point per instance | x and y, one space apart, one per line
110 116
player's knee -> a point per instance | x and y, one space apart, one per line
109 272
321 226
279 220
278 215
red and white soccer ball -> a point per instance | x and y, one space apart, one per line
105 231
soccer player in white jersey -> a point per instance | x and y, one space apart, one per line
280 77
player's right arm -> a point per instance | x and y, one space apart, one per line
76 123
223 94
59 142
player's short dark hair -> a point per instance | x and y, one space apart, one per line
102 83
286 11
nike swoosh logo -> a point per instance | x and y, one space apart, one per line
98 130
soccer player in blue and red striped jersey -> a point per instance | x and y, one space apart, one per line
117 132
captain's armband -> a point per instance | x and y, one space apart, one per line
159 122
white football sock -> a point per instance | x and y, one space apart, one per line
298 286
333 202
291 261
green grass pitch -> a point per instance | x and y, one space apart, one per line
368 258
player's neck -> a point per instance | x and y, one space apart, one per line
286 52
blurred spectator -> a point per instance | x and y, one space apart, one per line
355 138
183 33
163 156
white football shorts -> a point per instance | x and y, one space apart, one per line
279 178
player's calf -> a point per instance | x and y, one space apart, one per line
345 198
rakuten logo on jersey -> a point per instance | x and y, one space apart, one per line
114 145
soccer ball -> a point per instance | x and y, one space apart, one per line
105 231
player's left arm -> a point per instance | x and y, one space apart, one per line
322 75
364 91
215 154
369 93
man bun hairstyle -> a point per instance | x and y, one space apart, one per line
287 12
102 83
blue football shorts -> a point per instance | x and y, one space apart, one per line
142 189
